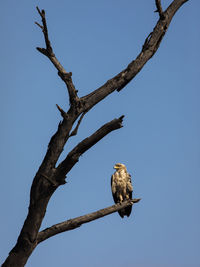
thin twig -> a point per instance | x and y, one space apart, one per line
62 112
159 9
39 11
74 132
45 32
39 25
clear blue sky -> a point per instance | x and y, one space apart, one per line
159 142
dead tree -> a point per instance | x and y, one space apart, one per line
50 175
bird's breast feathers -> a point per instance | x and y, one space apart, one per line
121 180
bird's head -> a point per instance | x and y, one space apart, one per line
119 166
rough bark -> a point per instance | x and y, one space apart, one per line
77 222
49 176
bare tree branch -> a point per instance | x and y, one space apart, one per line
77 222
159 9
48 51
39 25
148 50
72 158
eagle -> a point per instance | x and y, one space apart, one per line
121 187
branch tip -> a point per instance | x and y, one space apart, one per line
62 112
122 117
39 25
39 11
42 50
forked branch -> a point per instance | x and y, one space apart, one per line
48 51
72 158
77 222
151 45
62 112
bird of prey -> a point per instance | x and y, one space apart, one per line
121 187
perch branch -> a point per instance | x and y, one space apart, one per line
77 222
48 51
72 158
